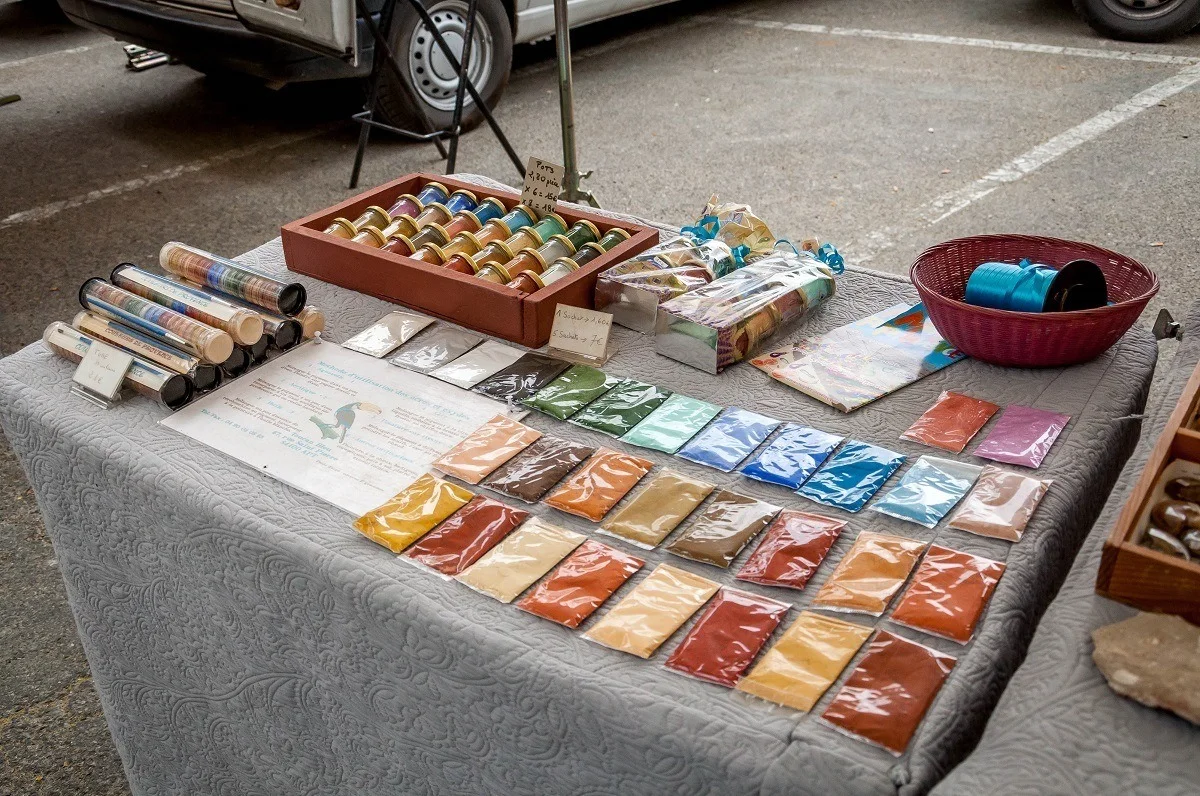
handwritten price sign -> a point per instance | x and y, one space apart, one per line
543 185
581 332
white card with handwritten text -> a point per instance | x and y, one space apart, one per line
581 332
543 185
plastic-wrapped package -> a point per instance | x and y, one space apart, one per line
851 476
1001 504
951 422
808 658
581 584
486 448
529 475
469 533
1023 435
928 491
672 424
948 594
729 439
729 319
435 348
577 387
477 364
621 408
792 549
723 529
727 637
658 509
631 291
520 559
656 608
792 457
388 333
523 378
599 484
886 696
870 574
413 512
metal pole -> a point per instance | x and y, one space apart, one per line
572 191
460 92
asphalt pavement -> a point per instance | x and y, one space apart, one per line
881 125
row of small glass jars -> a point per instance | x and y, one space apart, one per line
479 238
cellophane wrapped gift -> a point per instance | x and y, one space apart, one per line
728 320
725 237
632 290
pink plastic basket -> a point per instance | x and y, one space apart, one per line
1028 339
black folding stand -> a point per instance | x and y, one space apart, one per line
383 56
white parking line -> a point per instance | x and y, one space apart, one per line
950 203
50 209
35 58
990 44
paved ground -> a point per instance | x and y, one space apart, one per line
883 125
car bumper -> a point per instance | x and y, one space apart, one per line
211 41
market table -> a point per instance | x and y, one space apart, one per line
1059 728
244 639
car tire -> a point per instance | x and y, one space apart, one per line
1155 20
427 74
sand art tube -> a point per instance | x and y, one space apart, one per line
172 390
204 376
232 279
165 325
244 326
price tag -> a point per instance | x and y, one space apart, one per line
543 185
581 334
102 370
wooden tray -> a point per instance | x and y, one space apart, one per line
1137 575
477 304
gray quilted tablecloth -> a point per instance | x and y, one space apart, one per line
1059 729
244 639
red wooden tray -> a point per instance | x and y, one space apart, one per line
475 303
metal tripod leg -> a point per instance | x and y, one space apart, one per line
572 191
460 92
464 80
383 58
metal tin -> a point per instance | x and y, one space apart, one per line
341 228
463 263
432 192
373 216
399 244
433 213
495 252
370 236
557 246
614 237
461 200
465 221
488 209
527 260
525 238
494 272
406 205
526 282
430 233
582 232
587 252
462 243
563 266
430 253
520 216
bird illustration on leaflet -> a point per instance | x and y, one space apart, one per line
343 419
